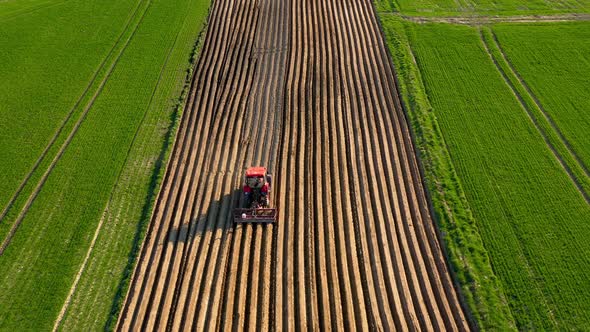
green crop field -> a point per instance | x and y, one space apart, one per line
14 8
518 221
89 97
486 7
554 61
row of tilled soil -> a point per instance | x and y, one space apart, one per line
305 88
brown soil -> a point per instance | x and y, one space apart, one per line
483 19
307 89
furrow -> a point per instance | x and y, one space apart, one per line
305 88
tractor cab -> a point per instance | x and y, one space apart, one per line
257 177
255 203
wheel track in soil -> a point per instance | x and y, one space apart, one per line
307 89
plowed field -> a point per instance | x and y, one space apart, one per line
305 88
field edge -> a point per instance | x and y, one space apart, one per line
167 123
158 174
464 248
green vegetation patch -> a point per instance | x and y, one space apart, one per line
532 219
110 169
48 59
98 298
10 9
468 257
554 62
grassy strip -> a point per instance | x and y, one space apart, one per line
532 220
561 148
98 298
158 172
70 126
467 253
47 251
552 60
13 8
489 7
48 62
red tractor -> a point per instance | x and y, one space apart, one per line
256 200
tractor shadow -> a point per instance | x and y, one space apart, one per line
217 215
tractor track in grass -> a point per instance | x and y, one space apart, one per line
30 10
307 89
538 104
69 115
549 132
84 112
490 19
108 208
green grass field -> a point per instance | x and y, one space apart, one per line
554 61
41 74
468 256
484 7
125 62
530 216
13 8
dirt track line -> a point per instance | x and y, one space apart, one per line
327 269
550 145
199 236
354 189
410 319
347 269
370 145
189 307
479 20
344 158
356 100
66 143
68 116
171 171
379 155
241 236
205 270
260 259
366 165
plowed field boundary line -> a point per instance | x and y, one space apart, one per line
489 19
66 143
568 160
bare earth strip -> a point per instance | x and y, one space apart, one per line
482 19
307 89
